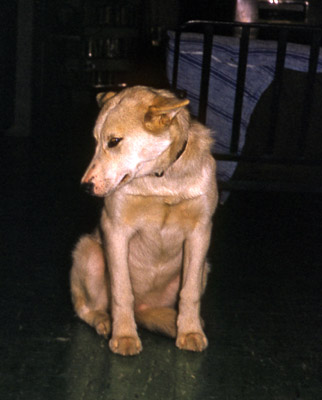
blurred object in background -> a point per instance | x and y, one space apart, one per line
290 10
246 11
112 33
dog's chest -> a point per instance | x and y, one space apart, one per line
150 213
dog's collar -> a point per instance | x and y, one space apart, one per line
179 154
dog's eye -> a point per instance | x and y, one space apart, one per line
113 142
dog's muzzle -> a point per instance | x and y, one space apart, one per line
88 187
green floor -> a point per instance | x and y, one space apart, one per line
262 307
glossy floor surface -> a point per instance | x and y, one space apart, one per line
262 307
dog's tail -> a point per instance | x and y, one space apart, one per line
161 319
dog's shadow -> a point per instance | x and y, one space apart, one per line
160 372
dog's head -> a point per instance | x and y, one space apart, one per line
138 132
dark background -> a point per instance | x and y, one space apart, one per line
262 308
59 33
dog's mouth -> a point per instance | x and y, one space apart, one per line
125 179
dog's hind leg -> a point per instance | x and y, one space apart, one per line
159 319
89 285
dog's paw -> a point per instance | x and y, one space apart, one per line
103 327
125 345
193 341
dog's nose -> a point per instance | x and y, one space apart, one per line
88 187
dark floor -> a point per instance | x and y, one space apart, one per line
263 307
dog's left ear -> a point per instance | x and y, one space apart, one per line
161 113
102 97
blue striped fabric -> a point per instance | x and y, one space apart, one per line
225 52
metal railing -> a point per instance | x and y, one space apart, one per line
282 33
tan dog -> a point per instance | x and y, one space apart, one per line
154 168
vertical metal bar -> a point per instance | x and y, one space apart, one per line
309 90
206 62
176 55
240 84
277 87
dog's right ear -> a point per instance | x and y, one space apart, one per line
102 97
162 112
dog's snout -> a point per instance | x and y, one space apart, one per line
88 187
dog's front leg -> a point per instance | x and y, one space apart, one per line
190 333
125 340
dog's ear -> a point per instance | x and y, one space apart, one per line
102 97
161 113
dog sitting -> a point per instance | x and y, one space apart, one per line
146 263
